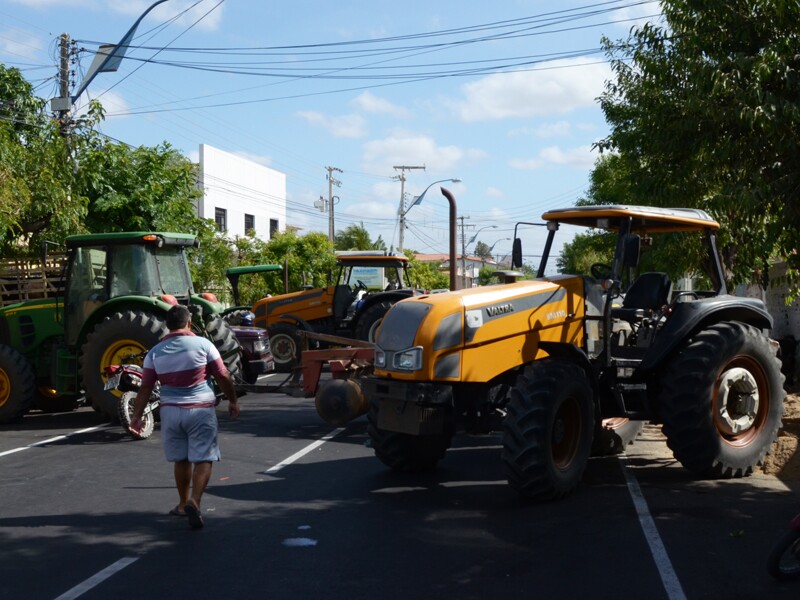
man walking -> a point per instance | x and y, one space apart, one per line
183 362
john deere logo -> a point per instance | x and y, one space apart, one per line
502 309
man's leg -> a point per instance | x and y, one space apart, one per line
200 478
183 480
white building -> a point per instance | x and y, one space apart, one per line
241 195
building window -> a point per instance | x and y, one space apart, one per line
249 224
221 217
273 227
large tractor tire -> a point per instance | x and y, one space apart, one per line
405 452
370 320
112 342
17 385
284 342
613 436
722 401
221 334
547 432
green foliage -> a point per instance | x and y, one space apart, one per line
426 276
356 237
486 276
704 113
585 250
482 251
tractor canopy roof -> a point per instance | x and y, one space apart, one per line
132 237
374 260
643 218
243 270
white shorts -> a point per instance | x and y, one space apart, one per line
189 434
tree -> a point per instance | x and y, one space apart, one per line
356 237
482 251
584 250
704 113
426 276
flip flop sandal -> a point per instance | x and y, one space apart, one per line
195 519
177 512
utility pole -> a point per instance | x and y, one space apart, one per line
463 253
62 105
332 181
402 211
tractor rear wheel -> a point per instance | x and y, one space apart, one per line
722 400
113 341
221 334
548 429
17 385
406 452
370 320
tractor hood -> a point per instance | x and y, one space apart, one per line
441 336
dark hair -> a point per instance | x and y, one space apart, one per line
177 317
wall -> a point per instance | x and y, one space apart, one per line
241 186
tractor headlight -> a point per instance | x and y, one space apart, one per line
409 360
380 358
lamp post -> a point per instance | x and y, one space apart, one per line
495 244
417 200
464 253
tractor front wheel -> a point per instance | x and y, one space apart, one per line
115 340
285 345
547 431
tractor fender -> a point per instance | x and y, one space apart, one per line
146 304
300 322
574 354
689 317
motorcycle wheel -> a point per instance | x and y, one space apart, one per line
125 409
784 560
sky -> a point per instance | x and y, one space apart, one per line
501 95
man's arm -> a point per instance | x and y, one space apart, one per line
226 385
142 396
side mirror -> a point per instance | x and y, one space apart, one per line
632 250
516 254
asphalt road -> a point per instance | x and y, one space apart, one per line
297 509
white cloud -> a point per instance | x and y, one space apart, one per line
113 103
20 43
346 126
194 16
370 103
407 148
582 158
493 192
563 87
260 159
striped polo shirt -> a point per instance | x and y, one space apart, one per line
182 362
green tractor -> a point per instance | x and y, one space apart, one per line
110 307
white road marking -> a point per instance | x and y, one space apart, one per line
58 438
303 452
669 578
85 586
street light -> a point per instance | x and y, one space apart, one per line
418 200
464 251
495 244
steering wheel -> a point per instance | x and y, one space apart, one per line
600 271
360 285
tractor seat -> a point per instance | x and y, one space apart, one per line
647 295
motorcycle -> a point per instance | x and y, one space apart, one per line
783 562
127 378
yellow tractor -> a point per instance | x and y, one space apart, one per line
567 363
366 286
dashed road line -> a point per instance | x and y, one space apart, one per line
304 451
97 578
58 438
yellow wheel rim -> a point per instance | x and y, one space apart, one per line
5 387
118 352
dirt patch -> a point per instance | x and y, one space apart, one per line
783 461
